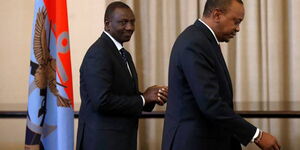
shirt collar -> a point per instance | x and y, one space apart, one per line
210 31
117 44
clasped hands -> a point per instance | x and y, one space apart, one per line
156 95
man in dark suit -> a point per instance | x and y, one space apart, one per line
110 100
199 114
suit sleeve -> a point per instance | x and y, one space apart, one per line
98 77
200 73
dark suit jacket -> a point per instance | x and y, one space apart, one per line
199 114
110 99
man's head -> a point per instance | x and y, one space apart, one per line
119 21
224 17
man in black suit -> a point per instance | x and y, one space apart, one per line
199 114
110 100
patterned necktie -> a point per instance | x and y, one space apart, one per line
123 51
123 55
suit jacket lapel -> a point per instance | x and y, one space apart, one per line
132 69
224 66
217 49
116 53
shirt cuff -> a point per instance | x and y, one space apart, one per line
255 135
143 100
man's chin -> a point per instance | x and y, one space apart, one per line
127 38
225 40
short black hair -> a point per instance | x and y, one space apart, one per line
210 5
111 7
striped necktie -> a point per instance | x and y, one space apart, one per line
122 51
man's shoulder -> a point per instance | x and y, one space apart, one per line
98 51
191 37
101 45
192 33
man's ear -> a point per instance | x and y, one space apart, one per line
217 14
106 25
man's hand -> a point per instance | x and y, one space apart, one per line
163 94
156 94
267 142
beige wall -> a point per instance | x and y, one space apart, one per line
85 26
15 28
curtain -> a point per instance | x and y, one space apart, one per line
263 59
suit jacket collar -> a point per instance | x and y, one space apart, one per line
107 42
206 31
211 30
117 44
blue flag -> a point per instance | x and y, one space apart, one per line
50 115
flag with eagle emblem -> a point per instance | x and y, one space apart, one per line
50 115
